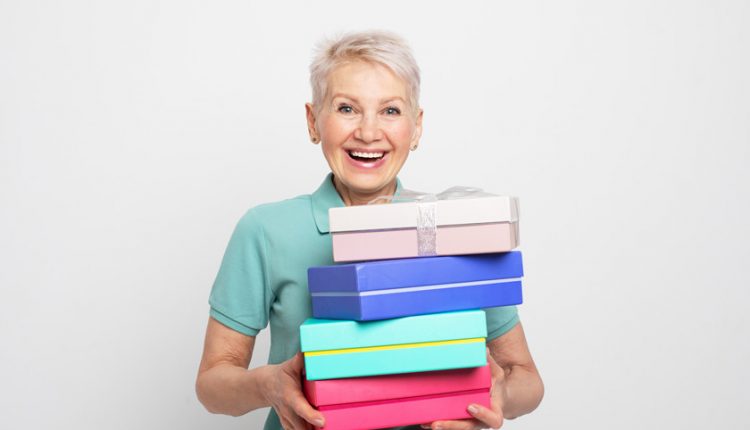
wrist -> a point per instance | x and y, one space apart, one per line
266 380
504 395
503 390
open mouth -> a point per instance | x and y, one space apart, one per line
366 157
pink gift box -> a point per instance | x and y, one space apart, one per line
461 226
396 400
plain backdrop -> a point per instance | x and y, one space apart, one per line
134 134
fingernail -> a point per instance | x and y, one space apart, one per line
473 409
438 427
319 422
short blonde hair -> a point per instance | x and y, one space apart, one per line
377 46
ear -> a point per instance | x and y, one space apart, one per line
311 129
417 130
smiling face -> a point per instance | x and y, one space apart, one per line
366 126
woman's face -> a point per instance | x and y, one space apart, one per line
366 126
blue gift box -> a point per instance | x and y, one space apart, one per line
395 288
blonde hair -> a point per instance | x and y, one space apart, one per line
377 46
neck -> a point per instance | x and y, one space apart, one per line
353 198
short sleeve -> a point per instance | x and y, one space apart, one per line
241 296
500 320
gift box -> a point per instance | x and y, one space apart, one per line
395 288
399 400
470 224
348 349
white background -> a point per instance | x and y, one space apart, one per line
134 134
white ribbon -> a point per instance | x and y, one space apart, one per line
426 212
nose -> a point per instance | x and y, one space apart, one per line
368 129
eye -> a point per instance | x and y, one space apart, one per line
392 110
344 108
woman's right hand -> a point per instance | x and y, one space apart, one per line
284 393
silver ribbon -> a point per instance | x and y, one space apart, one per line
426 212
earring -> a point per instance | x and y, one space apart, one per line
413 148
314 139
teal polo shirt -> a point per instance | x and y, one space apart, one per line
263 276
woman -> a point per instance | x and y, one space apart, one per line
365 115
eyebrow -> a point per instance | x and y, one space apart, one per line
382 101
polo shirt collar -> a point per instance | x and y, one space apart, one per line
326 197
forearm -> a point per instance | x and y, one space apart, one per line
521 386
523 391
233 390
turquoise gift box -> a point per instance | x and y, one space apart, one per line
348 349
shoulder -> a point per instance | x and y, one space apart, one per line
272 216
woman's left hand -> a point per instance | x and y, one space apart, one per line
483 417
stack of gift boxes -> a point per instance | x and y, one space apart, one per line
398 340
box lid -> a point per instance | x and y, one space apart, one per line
392 387
324 334
475 210
414 272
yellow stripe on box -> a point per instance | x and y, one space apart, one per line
387 347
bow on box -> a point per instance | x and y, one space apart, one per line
426 209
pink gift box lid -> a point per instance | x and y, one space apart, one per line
486 208
390 387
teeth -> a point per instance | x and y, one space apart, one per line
366 154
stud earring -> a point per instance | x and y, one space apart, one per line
413 148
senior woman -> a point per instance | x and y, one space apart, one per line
365 115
